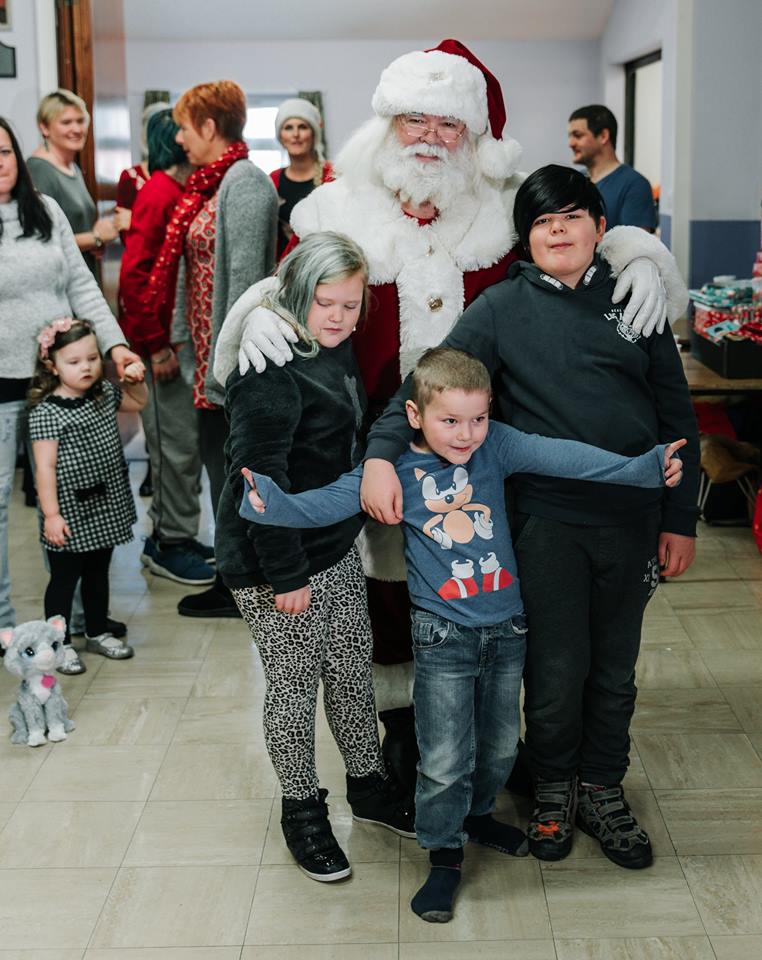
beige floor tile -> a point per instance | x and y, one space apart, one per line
737 948
153 641
138 679
664 632
97 773
218 720
362 842
74 954
709 565
739 630
315 951
231 639
756 741
713 821
231 677
107 722
479 950
78 834
71 900
190 832
594 898
659 605
710 597
661 668
728 892
176 907
635 778
747 568
6 809
215 772
166 953
746 703
643 948
19 765
499 898
695 761
290 908
744 667
684 711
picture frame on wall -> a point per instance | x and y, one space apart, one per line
5 15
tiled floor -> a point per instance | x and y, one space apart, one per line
153 834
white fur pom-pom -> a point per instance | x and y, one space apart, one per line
498 159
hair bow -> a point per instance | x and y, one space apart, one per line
48 334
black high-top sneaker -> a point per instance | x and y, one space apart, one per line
310 839
551 829
381 800
604 814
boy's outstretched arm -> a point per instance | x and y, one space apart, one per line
264 502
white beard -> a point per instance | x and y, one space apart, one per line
440 182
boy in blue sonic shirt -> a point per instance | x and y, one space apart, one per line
468 619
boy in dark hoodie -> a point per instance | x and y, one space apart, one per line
589 556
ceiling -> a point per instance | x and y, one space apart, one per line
263 20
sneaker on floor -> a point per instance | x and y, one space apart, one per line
107 645
310 839
604 814
551 828
178 562
217 601
379 800
204 551
71 665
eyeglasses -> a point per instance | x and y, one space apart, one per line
447 129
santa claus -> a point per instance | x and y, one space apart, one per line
426 188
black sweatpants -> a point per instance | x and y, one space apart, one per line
66 569
585 590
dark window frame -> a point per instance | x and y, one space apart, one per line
630 75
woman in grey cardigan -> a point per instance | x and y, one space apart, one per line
42 277
221 239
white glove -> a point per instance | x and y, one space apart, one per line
443 539
483 526
265 335
647 310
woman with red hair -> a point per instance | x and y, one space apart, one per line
220 240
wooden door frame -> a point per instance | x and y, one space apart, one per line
74 39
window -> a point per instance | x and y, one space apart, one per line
259 133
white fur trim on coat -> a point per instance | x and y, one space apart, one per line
498 159
393 685
229 339
621 245
438 83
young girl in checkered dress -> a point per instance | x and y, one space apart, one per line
86 505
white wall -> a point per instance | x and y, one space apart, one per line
19 97
543 81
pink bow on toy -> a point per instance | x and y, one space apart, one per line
48 335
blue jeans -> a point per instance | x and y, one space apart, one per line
466 697
10 414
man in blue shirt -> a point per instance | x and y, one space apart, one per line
626 193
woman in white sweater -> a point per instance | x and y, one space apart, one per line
42 277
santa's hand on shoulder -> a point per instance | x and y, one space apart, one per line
646 311
265 336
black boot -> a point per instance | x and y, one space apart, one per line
217 601
520 780
377 799
400 747
310 839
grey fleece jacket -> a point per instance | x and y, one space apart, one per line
244 252
40 282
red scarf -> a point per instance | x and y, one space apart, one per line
200 186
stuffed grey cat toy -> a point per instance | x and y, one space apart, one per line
32 651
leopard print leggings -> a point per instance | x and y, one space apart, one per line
331 641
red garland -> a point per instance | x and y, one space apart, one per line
201 185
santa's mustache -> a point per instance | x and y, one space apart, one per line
425 150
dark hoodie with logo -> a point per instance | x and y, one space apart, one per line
565 365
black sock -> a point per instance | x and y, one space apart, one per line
433 902
500 836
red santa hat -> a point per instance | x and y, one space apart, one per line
449 81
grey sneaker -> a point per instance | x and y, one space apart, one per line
604 814
107 645
71 665
551 829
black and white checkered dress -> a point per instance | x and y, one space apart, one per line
94 493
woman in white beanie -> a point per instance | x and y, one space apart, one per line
299 128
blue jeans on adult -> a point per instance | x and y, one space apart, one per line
466 697
10 415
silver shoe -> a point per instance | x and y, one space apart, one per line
107 645
71 665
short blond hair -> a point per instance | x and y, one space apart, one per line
53 105
445 368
